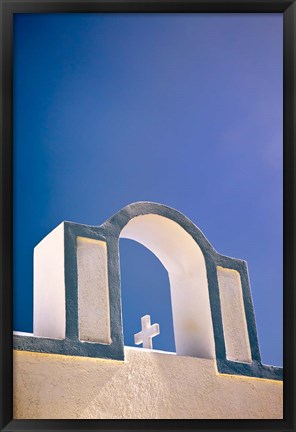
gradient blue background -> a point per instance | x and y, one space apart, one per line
185 110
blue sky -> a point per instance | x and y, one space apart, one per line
180 109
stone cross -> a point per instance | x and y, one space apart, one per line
148 332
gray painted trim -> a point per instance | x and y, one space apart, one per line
68 347
110 232
255 370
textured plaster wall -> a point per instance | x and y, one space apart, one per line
148 385
233 315
93 292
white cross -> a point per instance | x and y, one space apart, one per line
148 332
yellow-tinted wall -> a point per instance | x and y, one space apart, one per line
148 385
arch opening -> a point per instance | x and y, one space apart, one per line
145 290
184 261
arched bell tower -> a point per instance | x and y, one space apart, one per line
77 293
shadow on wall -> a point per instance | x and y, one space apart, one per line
148 384
56 386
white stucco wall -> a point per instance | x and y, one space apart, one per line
148 385
49 286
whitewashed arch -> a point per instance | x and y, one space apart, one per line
185 264
212 305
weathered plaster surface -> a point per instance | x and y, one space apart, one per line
233 315
148 385
93 292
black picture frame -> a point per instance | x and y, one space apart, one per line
7 9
